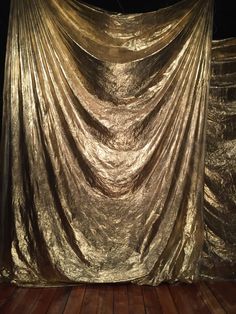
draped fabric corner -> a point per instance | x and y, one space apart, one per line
103 143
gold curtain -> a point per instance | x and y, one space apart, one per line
104 122
219 255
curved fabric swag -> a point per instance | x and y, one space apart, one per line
103 144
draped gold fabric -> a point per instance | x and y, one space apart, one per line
103 143
219 258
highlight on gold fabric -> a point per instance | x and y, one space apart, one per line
219 258
103 143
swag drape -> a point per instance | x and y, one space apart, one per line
103 143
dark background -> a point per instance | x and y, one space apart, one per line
224 19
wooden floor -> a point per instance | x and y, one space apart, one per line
202 297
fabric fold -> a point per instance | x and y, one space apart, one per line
103 143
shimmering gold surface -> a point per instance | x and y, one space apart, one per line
103 143
220 183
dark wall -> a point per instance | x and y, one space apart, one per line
224 20
4 14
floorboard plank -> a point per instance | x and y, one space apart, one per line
43 301
22 301
75 300
6 291
188 299
151 300
209 298
135 297
105 299
225 292
121 303
166 301
59 300
90 302
201 297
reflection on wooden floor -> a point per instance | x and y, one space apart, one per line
201 297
